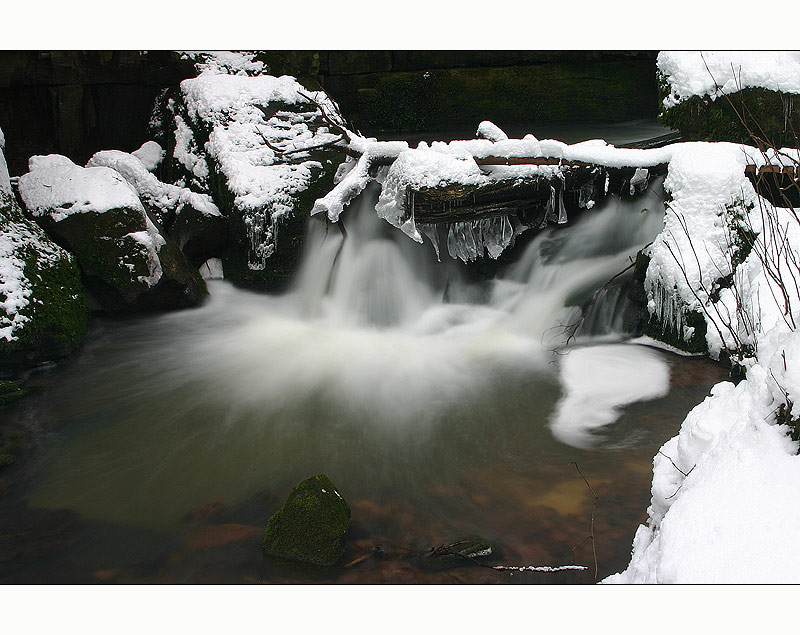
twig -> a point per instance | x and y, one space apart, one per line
591 524
447 550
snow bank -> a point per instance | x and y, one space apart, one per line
713 73
57 187
598 381
164 199
726 491
728 510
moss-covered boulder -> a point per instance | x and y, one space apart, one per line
127 263
311 525
43 311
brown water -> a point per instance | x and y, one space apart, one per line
122 497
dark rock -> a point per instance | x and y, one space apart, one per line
200 236
311 525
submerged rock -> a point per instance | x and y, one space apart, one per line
311 525
126 261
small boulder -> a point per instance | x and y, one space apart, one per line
311 525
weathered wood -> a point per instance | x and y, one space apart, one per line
526 197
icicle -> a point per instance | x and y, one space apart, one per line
550 215
562 211
470 247
432 233
639 180
452 241
477 230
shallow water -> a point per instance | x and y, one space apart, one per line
171 439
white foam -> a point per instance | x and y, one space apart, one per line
598 381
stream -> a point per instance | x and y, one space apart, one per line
441 406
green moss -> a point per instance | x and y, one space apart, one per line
57 310
311 525
763 111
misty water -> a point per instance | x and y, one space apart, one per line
441 406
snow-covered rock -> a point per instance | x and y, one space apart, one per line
43 312
245 137
190 218
127 263
713 73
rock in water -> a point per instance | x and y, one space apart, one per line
311 524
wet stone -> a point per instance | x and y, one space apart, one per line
311 525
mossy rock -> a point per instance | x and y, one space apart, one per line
767 113
55 319
311 525
115 265
640 321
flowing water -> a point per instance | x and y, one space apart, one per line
438 405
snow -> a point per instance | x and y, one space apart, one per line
263 182
166 199
714 73
225 62
487 130
422 168
151 241
151 154
57 187
597 382
187 153
735 517
725 504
